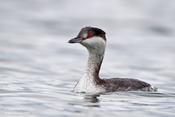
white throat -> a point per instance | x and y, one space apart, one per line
96 49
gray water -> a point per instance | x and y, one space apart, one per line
38 68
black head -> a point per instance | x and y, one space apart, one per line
88 33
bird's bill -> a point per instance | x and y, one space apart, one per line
75 40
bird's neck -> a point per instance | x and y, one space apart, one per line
94 64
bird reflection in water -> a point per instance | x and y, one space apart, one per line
92 100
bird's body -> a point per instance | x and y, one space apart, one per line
94 40
110 85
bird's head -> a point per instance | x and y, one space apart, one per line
94 39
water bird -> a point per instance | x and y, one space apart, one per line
94 39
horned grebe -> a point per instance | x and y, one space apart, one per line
94 40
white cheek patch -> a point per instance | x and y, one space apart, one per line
94 41
95 44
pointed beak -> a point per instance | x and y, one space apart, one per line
75 40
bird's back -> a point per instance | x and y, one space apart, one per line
126 84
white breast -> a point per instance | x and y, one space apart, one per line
86 84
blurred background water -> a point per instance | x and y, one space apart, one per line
38 68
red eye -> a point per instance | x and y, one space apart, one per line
90 34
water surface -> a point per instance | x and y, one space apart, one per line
38 68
